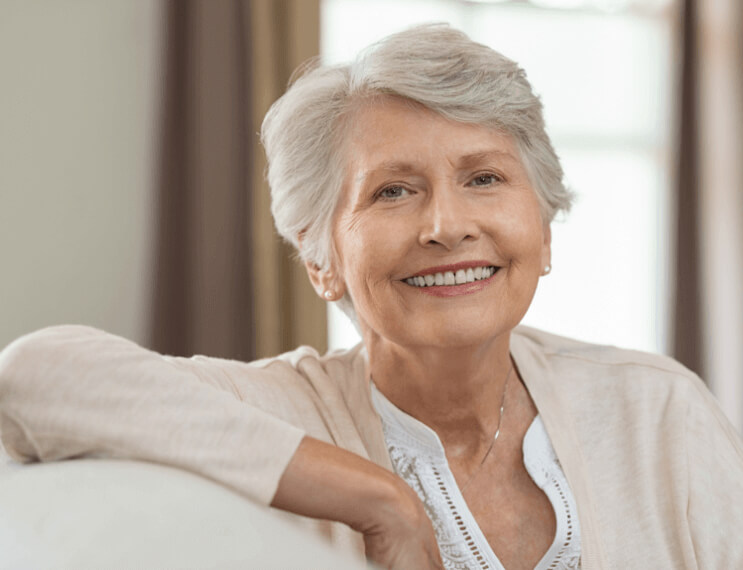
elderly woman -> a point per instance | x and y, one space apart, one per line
418 185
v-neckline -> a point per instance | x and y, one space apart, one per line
428 439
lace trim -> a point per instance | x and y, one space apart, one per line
569 516
418 457
461 526
539 456
457 541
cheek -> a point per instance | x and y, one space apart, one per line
368 247
520 237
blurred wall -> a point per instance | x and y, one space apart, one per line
78 105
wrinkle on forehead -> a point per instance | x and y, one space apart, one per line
501 147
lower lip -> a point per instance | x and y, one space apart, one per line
456 290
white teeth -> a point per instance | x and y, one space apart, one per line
459 277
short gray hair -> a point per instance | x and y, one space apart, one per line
433 65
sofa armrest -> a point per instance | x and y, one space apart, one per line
125 514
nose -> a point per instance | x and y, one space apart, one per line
448 219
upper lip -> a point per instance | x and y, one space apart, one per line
453 267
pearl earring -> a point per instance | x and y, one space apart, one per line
547 269
329 294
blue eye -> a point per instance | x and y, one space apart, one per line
392 192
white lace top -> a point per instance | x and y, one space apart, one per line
419 458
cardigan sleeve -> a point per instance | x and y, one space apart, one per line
715 465
74 391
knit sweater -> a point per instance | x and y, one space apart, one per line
655 467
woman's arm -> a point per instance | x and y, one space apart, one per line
326 482
714 452
74 391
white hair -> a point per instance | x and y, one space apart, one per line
433 65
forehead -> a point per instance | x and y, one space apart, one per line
391 131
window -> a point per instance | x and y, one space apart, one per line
603 70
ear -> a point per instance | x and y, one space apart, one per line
326 282
547 250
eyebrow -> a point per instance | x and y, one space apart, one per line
480 157
468 160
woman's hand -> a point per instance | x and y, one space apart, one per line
399 534
326 482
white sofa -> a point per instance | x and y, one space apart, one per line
95 514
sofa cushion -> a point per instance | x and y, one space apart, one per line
123 514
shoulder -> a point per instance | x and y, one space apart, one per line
300 371
306 361
587 371
565 352
309 356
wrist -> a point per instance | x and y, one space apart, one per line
326 482
389 502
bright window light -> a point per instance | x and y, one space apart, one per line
605 80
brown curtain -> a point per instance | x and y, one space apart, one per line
225 283
284 34
687 330
709 302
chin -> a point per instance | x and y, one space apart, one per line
457 335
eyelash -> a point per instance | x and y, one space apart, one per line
381 196
496 179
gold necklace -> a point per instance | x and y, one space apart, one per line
497 432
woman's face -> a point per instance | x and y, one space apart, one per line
431 208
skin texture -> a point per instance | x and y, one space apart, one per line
326 482
422 191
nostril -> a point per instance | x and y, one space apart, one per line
448 230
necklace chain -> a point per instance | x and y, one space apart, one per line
495 436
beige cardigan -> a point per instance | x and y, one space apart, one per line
655 467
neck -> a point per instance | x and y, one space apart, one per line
455 391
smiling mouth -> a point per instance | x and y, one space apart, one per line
449 278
